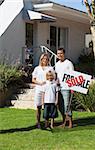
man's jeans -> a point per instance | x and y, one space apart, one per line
66 98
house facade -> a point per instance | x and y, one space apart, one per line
41 23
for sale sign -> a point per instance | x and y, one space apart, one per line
77 81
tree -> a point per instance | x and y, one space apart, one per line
90 6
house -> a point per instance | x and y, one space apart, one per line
35 23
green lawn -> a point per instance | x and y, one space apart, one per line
18 132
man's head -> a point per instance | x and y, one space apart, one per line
61 54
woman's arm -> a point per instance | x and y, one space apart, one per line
37 82
43 94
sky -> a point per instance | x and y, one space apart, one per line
77 4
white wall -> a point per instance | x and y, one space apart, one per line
76 36
41 35
12 41
77 39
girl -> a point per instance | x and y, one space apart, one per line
39 78
50 99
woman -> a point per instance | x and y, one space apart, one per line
39 78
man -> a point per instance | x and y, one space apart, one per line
60 67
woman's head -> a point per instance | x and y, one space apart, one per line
50 75
44 60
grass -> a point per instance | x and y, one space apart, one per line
18 132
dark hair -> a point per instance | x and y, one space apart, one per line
61 49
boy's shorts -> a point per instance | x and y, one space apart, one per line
50 111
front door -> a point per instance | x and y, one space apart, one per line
58 38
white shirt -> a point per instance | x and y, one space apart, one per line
61 68
50 89
40 74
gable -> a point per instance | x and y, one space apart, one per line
9 9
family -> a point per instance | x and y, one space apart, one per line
49 87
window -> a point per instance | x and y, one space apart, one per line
29 35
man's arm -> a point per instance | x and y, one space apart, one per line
56 102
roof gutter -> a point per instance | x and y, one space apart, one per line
53 7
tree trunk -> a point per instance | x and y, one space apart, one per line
93 38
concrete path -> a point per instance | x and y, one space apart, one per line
25 100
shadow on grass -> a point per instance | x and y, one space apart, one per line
18 129
82 122
87 123
12 130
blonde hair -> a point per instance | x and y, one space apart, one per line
41 58
50 72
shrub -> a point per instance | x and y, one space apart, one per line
8 74
10 82
88 68
86 62
87 102
86 56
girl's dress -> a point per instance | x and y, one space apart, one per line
50 109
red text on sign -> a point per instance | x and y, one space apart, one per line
75 81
